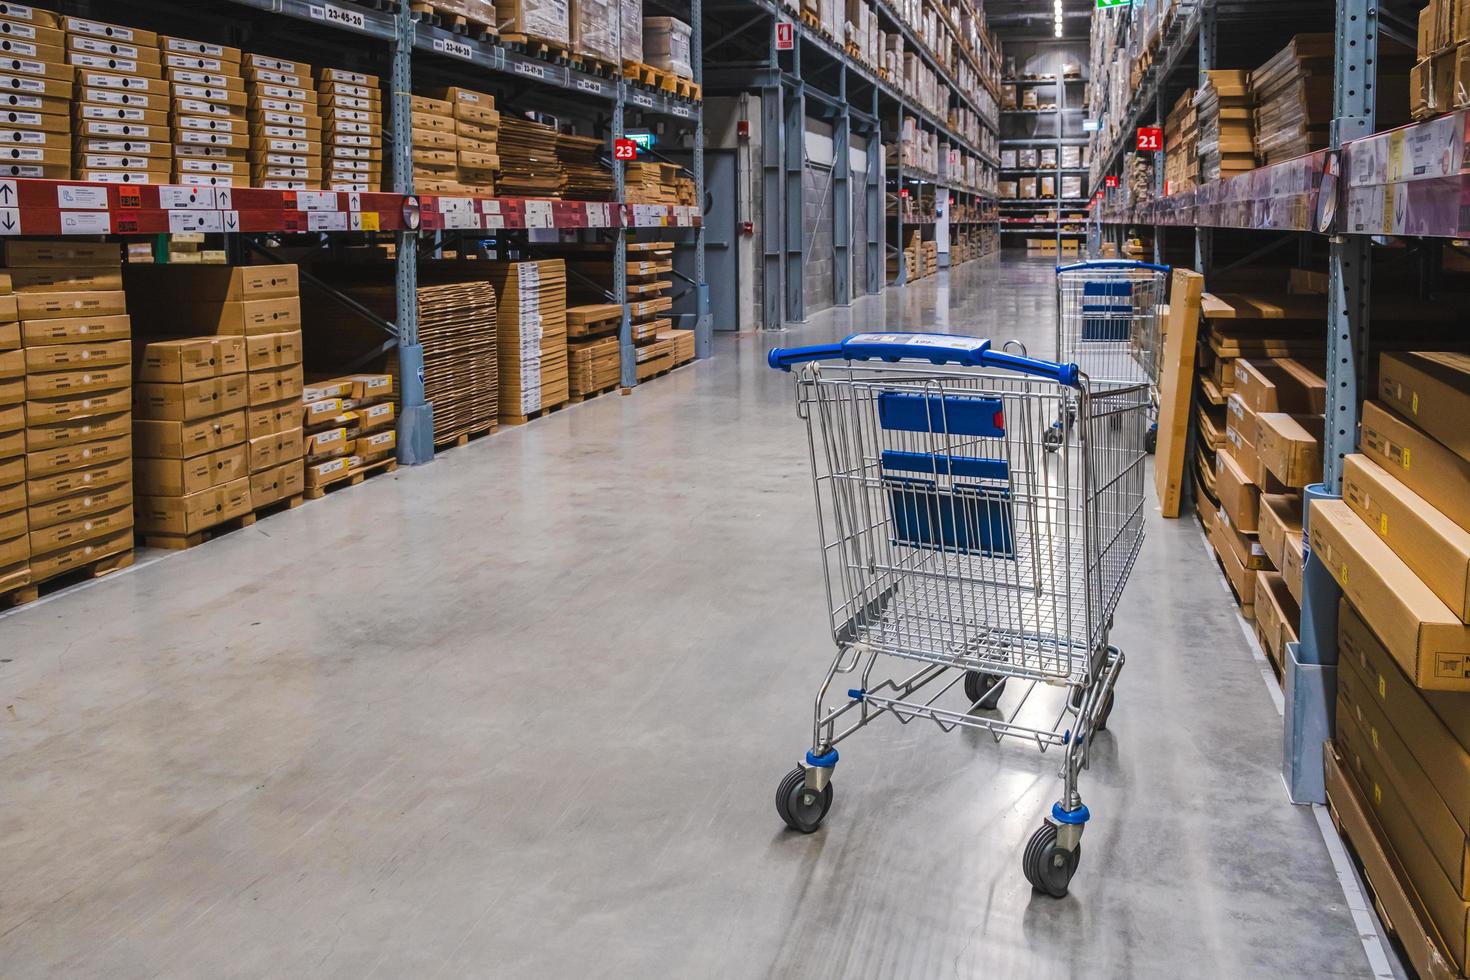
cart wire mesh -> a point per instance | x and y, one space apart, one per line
1108 320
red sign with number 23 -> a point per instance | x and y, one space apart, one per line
625 150
1150 139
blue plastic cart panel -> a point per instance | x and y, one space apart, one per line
1107 310
967 520
954 415
939 464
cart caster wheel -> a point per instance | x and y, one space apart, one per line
801 808
1051 439
1151 441
1048 866
1101 724
984 690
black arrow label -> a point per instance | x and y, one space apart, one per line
8 224
5 193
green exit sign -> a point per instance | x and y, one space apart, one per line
1107 4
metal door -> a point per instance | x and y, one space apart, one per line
860 217
721 259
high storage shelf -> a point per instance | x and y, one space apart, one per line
47 207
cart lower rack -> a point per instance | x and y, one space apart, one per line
955 539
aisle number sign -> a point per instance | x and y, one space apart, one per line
1150 139
785 35
625 150
1111 180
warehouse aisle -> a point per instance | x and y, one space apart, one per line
522 713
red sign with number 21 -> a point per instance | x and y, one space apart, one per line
1150 139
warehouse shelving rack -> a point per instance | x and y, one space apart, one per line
44 207
1023 210
818 75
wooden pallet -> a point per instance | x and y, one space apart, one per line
32 591
456 23
685 88
465 438
533 416
811 20
537 47
586 396
637 71
352 478
182 542
595 66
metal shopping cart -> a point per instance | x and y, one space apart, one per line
1108 324
961 554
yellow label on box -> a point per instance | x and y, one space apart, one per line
1406 459
1383 524
1414 402
1382 688
1377 794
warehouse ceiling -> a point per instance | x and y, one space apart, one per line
1034 20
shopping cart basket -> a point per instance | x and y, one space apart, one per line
959 553
1108 324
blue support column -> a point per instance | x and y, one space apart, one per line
704 321
773 141
793 165
1159 183
877 221
628 356
842 198
416 414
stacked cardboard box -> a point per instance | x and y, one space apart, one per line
75 331
595 31
528 21
1398 544
532 336
649 302
207 91
435 146
352 130
477 126
36 128
594 358
652 182
1293 93
1439 80
586 179
528 163
349 427
285 124
127 142
273 362
1181 145
15 545
1227 142
666 41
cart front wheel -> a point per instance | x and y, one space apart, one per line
1051 439
984 690
1102 716
802 808
1048 866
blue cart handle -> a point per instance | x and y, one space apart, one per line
1114 264
936 348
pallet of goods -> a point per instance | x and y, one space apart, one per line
649 304
1227 143
666 43
594 30
121 59
528 162
351 105
532 337
472 18
539 27
477 133
66 479
586 179
348 431
1439 80
1398 545
207 104
285 124
594 355
459 330
38 82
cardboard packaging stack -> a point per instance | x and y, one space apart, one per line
285 124
546 21
1181 145
435 146
532 336
528 163
273 362
649 302
1439 80
594 359
477 128
630 30
348 427
1293 94
119 139
1227 140
595 31
1398 544
15 544
35 128
352 130
666 44
210 138
76 335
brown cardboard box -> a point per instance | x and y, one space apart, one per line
180 477
377 446
1280 385
42 489
74 532
218 284
66 279
1423 634
12 471
1247 548
13 524
49 566
55 384
270 451
273 350
264 420
269 387
1435 547
191 400
52 410
184 440
87 303
325 444
194 512
319 391
9 336
75 330
370 418
277 483
1280 526
80 506
191 359
330 471
40 438
1290 447
1277 615
1432 390
240 317
1418 462
1242 578
370 387
14 550
72 357
1239 498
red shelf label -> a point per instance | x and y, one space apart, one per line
625 150
1150 139
1111 180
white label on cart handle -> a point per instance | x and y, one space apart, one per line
920 340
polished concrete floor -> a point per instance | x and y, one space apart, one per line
522 712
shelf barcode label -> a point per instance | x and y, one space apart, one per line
528 68
337 16
456 48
